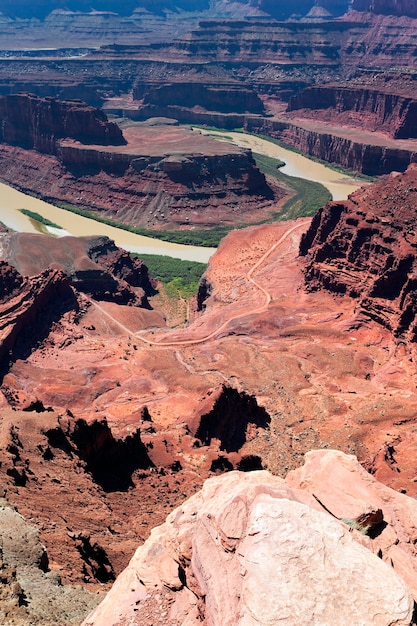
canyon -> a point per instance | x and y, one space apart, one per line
270 429
107 407
151 175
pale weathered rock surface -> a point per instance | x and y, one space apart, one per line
29 592
342 487
249 549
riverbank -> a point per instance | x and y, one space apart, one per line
12 200
338 184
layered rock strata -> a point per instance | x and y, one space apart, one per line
44 287
27 304
197 181
230 98
369 109
347 148
365 247
38 123
386 7
239 552
94 265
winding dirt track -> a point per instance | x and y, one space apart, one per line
219 329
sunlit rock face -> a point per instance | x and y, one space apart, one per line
255 549
365 247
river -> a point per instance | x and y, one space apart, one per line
12 200
340 185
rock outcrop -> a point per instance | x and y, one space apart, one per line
94 265
40 278
38 123
29 307
255 549
366 248
165 177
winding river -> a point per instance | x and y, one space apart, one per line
340 185
12 200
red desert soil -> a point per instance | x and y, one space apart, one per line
324 376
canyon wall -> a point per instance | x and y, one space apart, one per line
153 192
93 265
386 7
40 9
232 98
365 248
369 109
36 303
372 160
46 149
38 123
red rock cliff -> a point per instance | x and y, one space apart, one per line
232 98
37 123
366 247
370 159
365 108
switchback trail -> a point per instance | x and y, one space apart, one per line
219 329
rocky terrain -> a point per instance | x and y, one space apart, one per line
153 175
237 65
371 234
107 408
257 549
302 336
55 273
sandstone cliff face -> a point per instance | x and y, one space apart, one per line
29 307
93 265
272 42
38 123
255 549
145 186
370 159
232 98
359 107
365 247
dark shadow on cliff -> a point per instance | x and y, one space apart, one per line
110 461
229 419
33 323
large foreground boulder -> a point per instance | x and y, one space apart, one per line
249 549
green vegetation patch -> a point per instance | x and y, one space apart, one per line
39 218
180 277
308 196
204 238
